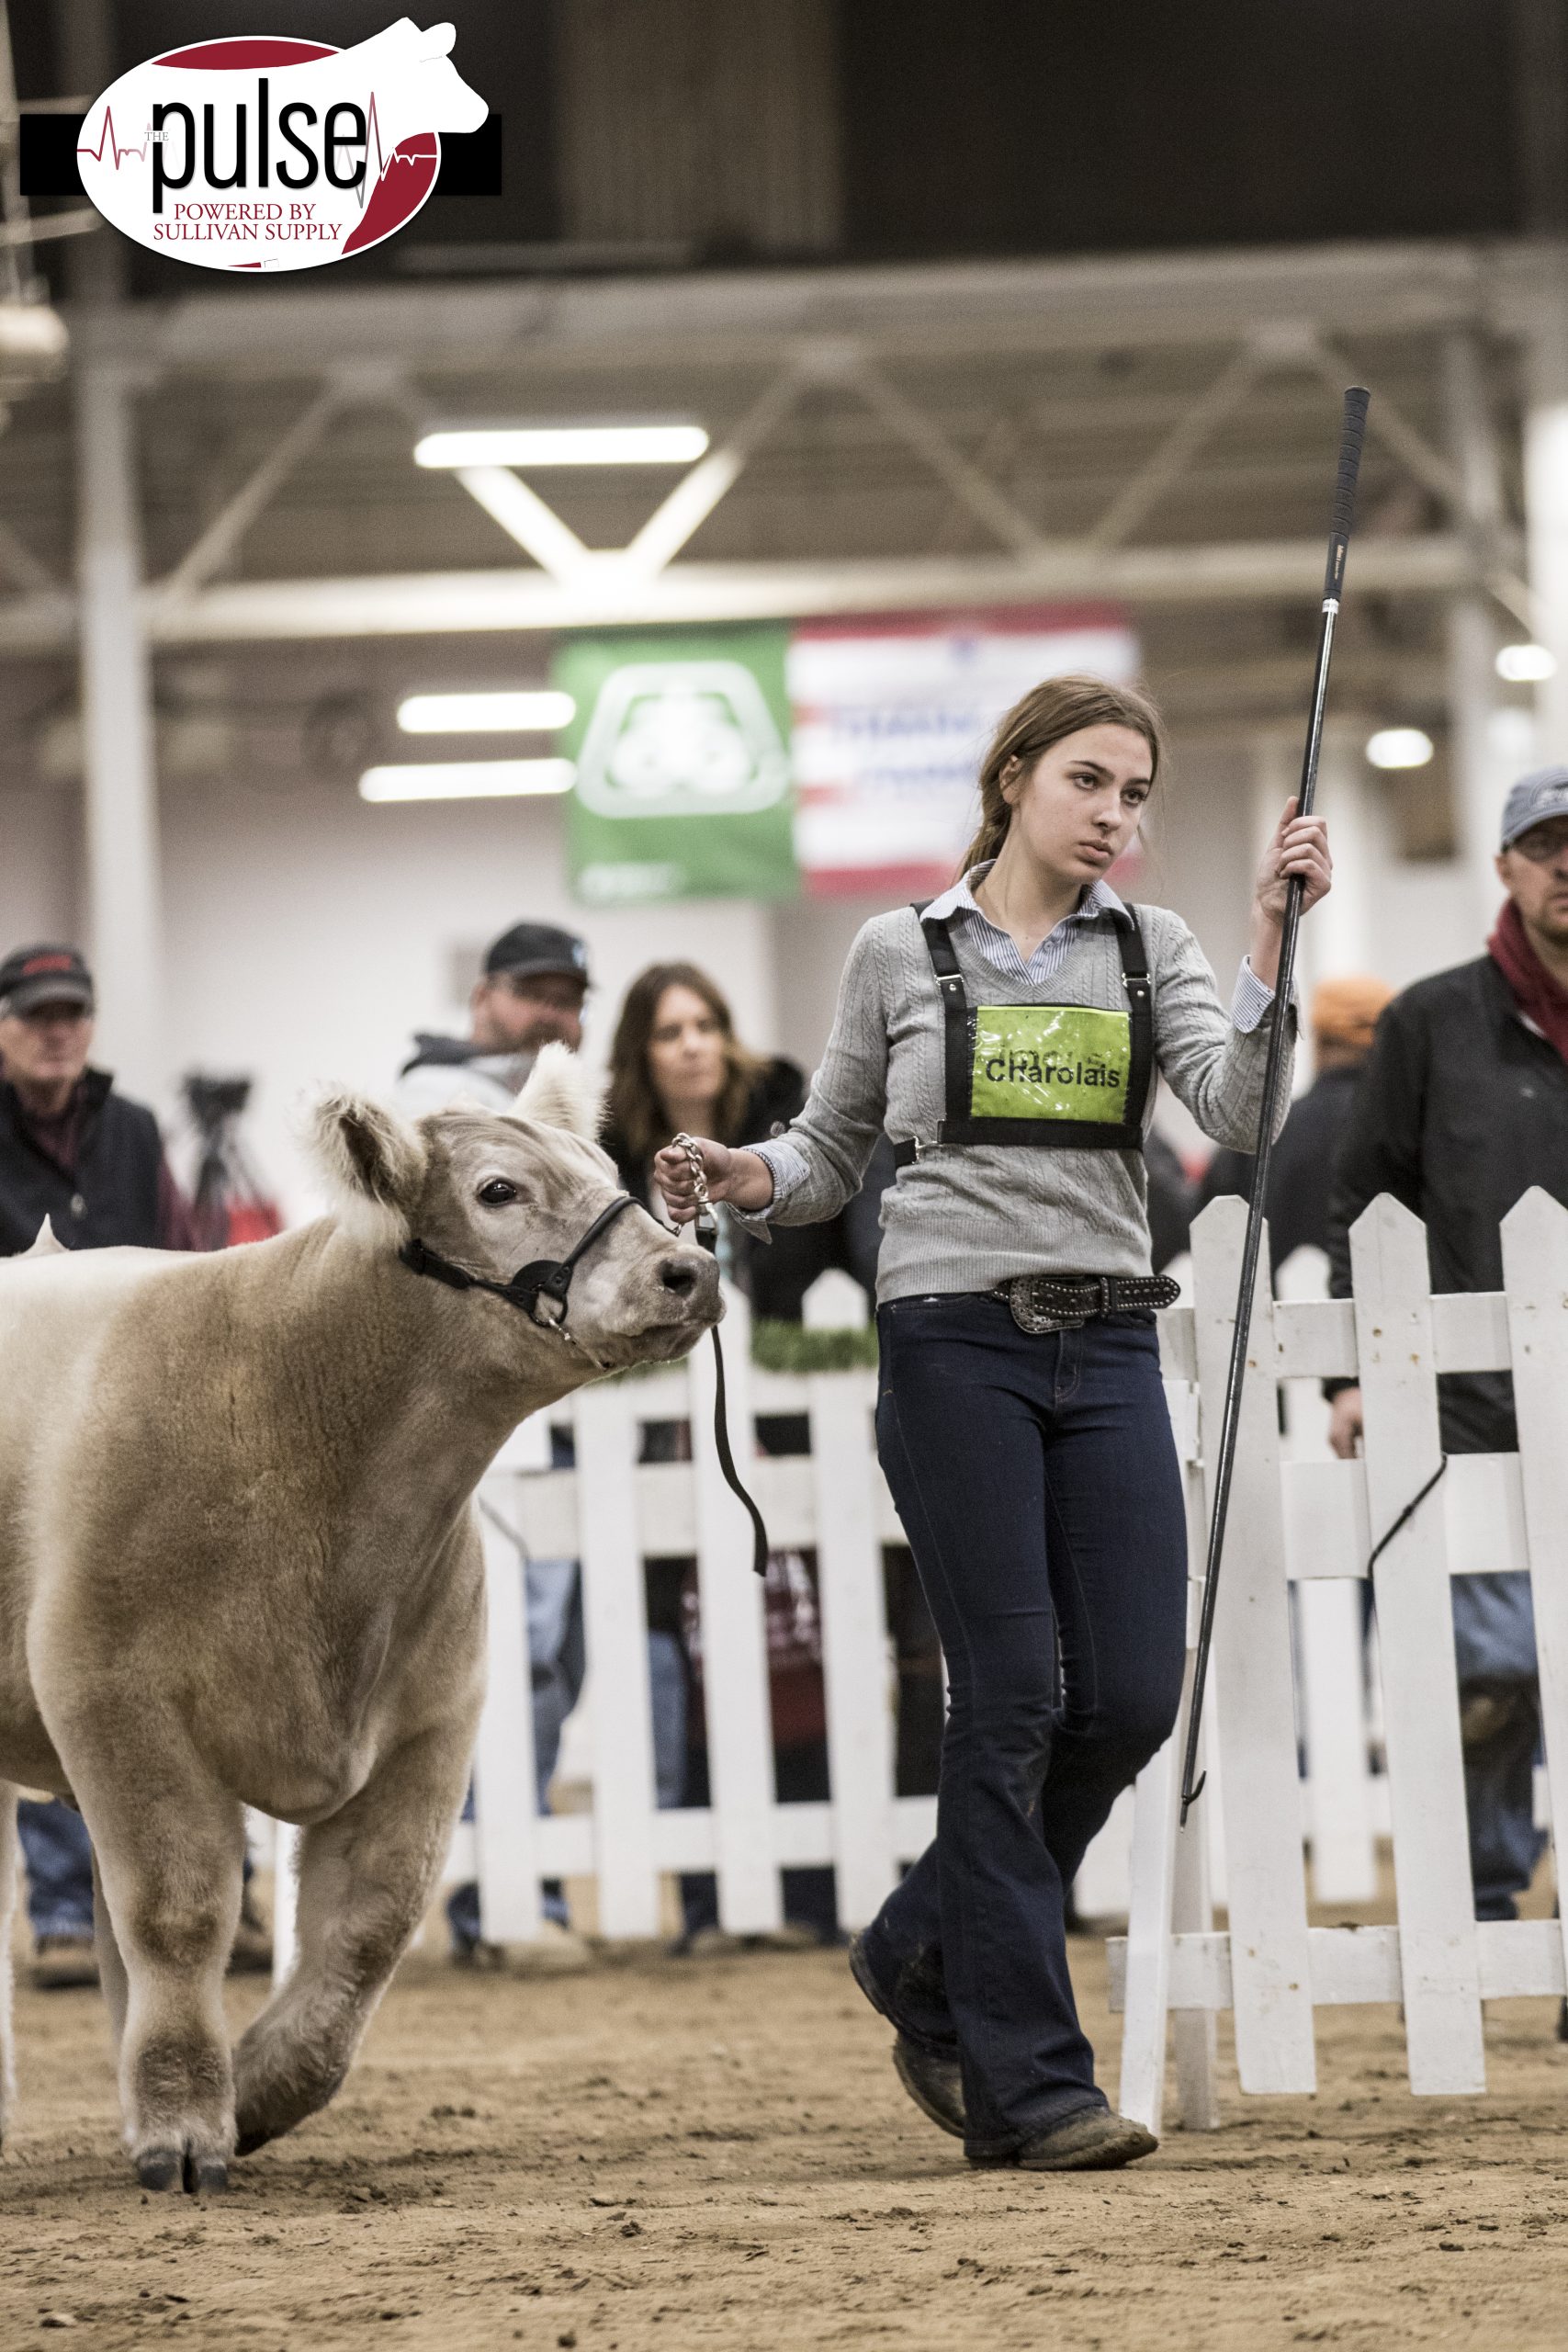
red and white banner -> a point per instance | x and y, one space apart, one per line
891 719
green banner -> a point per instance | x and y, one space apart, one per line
684 784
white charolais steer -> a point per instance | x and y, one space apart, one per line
239 1566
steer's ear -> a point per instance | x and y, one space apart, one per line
374 1162
559 1093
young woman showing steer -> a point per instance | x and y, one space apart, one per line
1007 1034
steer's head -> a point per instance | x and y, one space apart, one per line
494 1192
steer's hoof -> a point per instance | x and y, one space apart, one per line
161 2168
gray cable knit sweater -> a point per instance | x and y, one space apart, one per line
966 1217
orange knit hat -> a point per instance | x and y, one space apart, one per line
1345 1011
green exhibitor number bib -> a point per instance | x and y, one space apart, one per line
1050 1061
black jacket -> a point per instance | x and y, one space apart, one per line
113 1195
1172 1201
775 1275
1460 1110
1300 1168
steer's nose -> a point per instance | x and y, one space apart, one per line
680 1274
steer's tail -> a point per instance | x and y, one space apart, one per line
8 1858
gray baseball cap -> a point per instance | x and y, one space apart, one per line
1533 799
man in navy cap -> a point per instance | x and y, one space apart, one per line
1462 1107
530 992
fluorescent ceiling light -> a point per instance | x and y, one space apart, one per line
563 445
499 714
1399 747
1521 663
465 779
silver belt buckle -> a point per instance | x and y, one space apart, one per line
1021 1294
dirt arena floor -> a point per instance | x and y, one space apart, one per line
670 2153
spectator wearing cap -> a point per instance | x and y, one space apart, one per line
1463 1106
531 992
1345 1014
72 1149
75 1152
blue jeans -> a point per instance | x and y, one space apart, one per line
556 1685
59 1857
1037 1481
1494 1648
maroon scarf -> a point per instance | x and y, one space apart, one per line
1535 992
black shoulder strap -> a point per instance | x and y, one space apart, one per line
955 1017
1140 1007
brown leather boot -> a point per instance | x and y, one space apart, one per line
1093 2141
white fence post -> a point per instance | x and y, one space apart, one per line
735 1656
285 1901
854 1644
505 1801
1440 1964
1535 1272
1331 1658
1253 1699
616 1632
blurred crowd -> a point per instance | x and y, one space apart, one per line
1452 1095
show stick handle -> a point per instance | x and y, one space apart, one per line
1352 433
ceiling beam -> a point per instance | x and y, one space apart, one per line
923 311
440 604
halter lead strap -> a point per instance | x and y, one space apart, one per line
707 1235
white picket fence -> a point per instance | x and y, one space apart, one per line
1301 1527
1313 1524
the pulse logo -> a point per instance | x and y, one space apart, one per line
117 153
409 154
276 153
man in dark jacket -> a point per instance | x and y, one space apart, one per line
1463 1107
75 1151
1301 1171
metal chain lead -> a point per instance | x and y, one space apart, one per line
693 1151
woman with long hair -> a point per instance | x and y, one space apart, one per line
1008 1035
677 1064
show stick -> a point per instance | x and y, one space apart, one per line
1352 430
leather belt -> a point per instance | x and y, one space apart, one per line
1050 1302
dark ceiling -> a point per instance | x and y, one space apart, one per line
973 126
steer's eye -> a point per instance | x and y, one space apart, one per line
497 1193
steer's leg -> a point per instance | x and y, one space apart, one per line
366 1877
111 1966
169 1847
